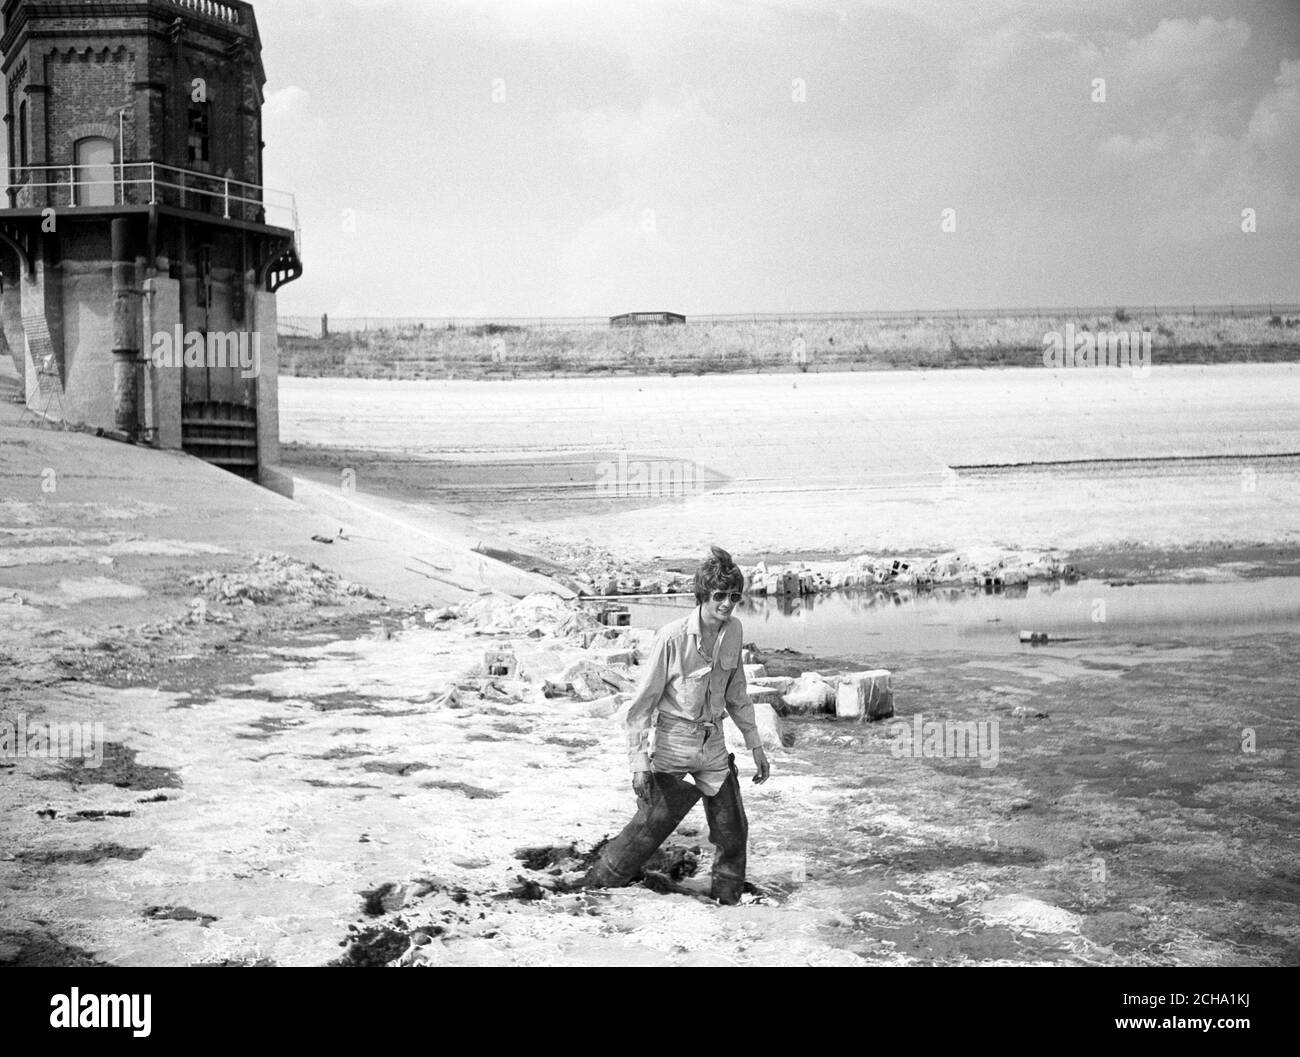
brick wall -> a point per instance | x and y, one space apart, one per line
95 64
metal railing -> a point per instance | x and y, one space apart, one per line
151 183
212 8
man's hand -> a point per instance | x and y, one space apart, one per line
764 769
641 785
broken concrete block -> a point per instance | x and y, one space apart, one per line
865 696
779 683
606 707
754 671
618 617
767 694
769 728
810 693
500 663
616 656
592 680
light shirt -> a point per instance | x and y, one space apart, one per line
682 681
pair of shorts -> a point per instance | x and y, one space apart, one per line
698 749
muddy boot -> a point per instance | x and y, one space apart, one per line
669 801
729 832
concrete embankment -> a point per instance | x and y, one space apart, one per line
71 501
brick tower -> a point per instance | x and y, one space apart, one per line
139 252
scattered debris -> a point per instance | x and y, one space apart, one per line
275 580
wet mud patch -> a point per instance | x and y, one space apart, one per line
563 856
374 946
201 677
401 770
341 753
376 902
237 963
169 913
929 859
43 950
80 856
268 727
321 783
118 769
346 700
662 872
473 792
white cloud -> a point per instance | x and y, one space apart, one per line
289 101
1123 147
1276 120
1182 51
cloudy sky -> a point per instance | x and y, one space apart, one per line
586 157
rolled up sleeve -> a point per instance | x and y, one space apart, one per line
640 714
741 709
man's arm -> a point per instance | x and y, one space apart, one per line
640 713
741 709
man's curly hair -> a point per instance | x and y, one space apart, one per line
717 573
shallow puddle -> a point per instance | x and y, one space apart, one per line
861 623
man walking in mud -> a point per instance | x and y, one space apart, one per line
693 676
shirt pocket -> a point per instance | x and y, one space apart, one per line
695 685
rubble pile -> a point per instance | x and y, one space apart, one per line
604 575
599 573
973 569
275 579
538 616
545 650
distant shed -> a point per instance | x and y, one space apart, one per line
646 319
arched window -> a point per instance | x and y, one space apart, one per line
95 176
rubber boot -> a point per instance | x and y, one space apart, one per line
729 832
671 799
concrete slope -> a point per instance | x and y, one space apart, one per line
46 475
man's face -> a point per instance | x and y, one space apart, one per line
719 605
